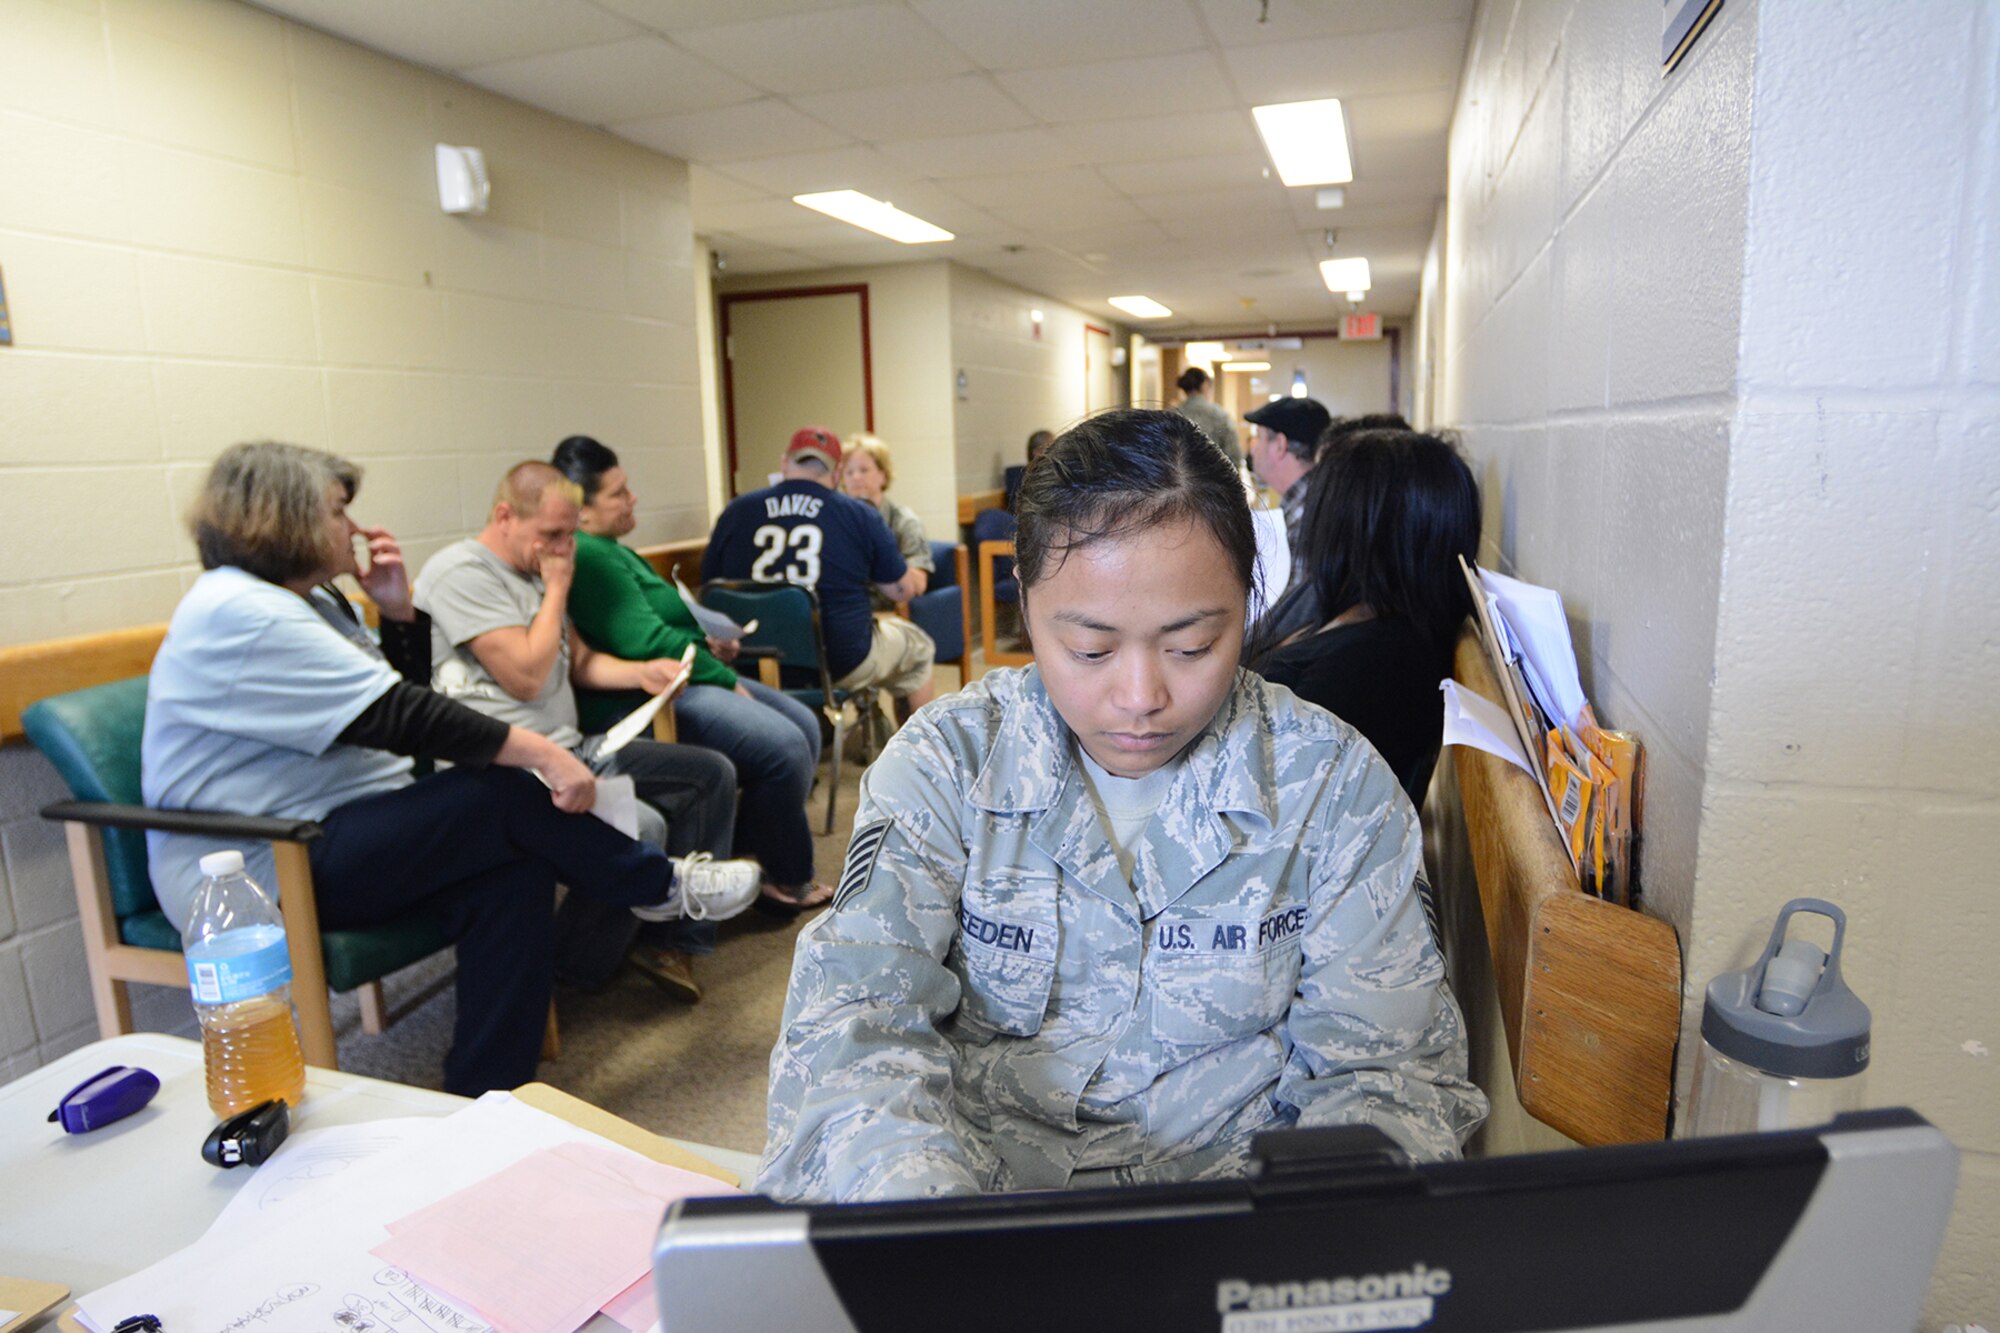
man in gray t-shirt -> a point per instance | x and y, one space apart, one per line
501 643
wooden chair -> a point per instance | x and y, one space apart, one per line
91 737
942 612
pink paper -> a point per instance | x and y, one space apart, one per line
634 1307
542 1245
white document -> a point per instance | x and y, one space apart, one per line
1274 555
713 623
618 804
1472 719
308 1268
312 1157
1548 658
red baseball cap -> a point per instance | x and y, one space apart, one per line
815 442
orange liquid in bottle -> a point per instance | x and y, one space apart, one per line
251 1050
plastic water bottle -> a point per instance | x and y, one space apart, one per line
240 971
1784 1042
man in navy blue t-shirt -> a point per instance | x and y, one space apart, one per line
803 531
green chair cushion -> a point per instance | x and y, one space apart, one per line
91 738
353 957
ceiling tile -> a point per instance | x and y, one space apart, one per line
1042 188
1223 171
968 104
672 15
1031 34
632 79
458 34
1047 215
828 50
1235 23
1405 60
748 129
1399 115
708 188
981 154
854 167
1150 85
1155 138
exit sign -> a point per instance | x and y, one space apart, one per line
1360 327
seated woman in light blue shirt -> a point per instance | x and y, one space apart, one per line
268 697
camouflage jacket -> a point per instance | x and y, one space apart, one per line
990 1004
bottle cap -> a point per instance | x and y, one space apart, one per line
1789 1013
217 864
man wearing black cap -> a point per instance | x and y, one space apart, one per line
1282 453
802 531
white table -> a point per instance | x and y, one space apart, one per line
87 1209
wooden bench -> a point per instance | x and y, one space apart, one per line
1589 992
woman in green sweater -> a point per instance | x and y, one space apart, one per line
622 607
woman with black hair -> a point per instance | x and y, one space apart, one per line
1388 514
1106 917
620 605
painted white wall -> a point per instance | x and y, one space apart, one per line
217 225
1016 384
1721 346
910 357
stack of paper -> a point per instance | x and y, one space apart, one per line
500 1217
1544 725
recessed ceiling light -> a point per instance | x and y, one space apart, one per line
1246 365
1357 297
1307 141
1345 275
1139 307
1205 353
857 209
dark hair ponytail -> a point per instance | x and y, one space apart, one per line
584 461
1129 470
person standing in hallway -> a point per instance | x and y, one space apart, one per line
1204 412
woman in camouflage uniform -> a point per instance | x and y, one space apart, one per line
1106 917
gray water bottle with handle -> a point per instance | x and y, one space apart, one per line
1784 1042
240 971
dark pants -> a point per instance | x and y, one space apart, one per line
773 740
696 790
482 849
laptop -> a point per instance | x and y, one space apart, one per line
1828 1229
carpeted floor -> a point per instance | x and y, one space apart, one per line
692 1071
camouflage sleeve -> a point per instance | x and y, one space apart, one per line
1377 1037
861 1102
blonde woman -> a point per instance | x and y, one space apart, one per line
865 474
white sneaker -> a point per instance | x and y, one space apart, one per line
706 889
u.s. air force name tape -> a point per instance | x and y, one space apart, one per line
861 854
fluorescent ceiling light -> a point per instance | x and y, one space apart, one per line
1307 141
1246 365
1140 307
1357 297
1345 275
1205 353
852 206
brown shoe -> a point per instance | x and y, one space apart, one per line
670 969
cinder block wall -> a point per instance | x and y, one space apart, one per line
1722 346
218 225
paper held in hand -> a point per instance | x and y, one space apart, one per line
639 719
713 623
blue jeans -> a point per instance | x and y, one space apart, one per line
773 740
